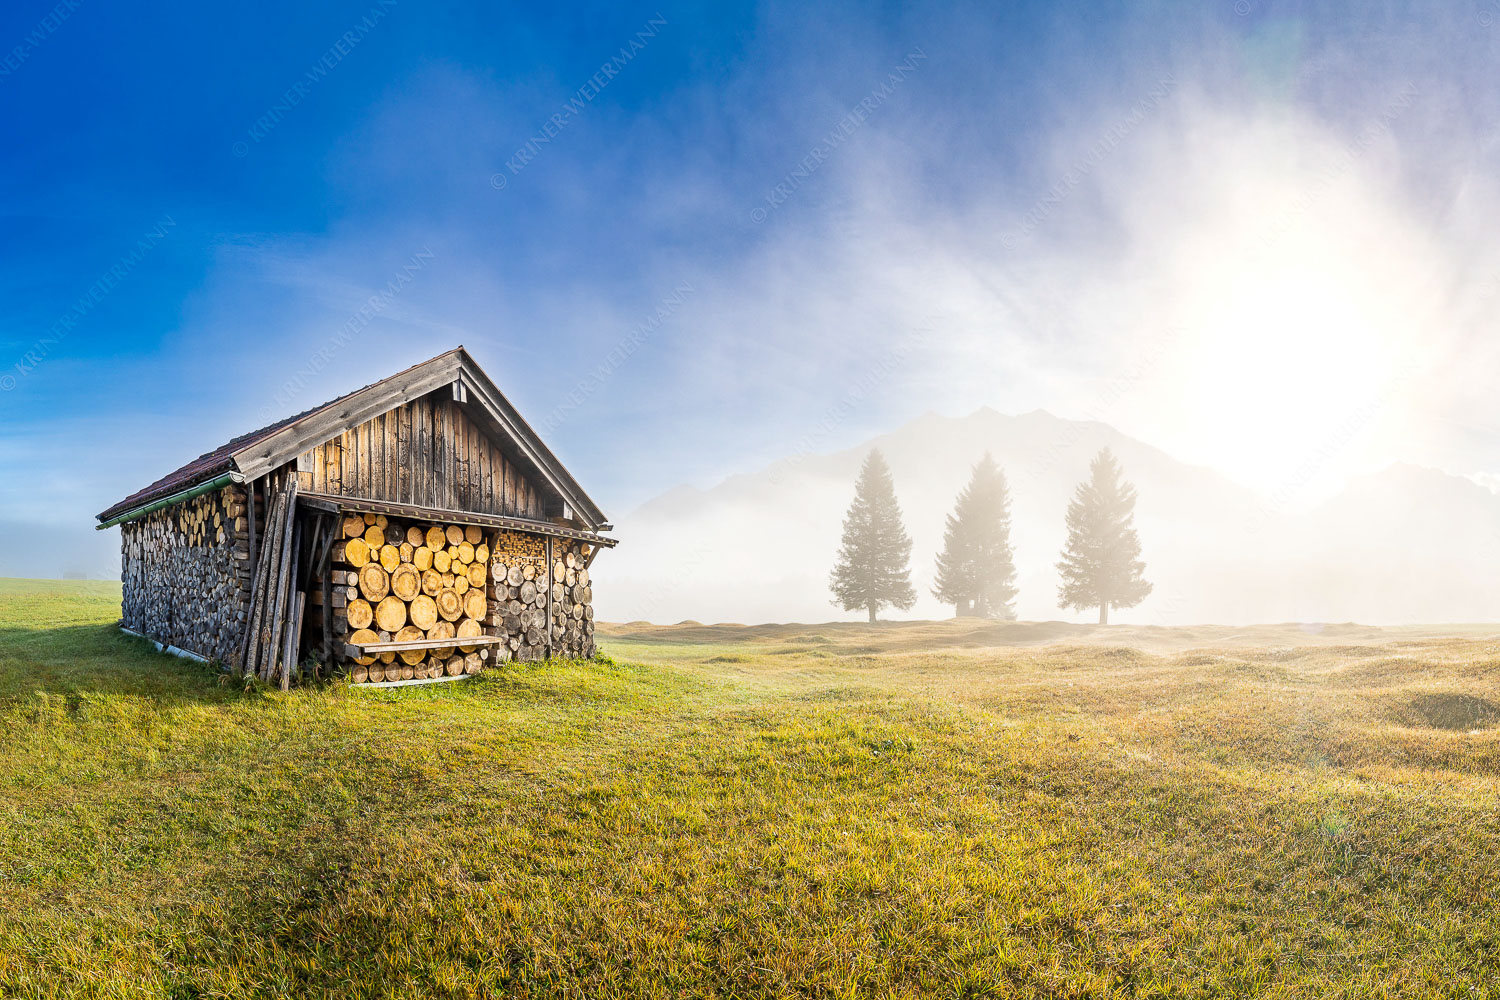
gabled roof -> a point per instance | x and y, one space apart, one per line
251 455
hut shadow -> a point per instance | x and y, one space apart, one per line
100 661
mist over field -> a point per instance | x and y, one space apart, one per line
1402 545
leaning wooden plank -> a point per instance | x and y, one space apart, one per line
293 642
283 583
265 591
293 572
269 591
258 595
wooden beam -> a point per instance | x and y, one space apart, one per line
366 505
352 649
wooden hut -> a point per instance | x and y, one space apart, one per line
415 529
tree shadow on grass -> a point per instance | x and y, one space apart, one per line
100 660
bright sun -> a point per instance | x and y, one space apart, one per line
1294 348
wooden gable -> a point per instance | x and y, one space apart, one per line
427 452
439 435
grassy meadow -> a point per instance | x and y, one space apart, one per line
838 811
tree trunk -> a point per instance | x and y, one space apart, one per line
872 614
1104 613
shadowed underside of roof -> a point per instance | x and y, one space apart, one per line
240 454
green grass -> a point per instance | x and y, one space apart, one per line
825 811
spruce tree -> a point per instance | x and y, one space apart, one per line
871 571
976 570
1101 565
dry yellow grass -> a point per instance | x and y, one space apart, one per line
830 811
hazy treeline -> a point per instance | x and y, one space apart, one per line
1100 564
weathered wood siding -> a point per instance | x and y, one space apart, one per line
427 452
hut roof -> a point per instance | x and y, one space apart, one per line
253 454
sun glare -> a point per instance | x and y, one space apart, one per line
1295 344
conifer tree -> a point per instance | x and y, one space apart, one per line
871 571
1101 565
976 570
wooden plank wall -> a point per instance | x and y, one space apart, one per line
426 452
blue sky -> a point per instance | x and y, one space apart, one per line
812 224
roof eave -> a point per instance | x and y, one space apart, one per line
535 450
276 449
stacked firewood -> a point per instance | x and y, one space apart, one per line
185 574
521 595
573 601
404 581
543 609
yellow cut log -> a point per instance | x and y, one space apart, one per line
467 629
476 574
406 550
374 583
454 534
356 552
422 558
481 553
359 638
415 537
390 614
432 582
424 613
441 560
451 606
474 534
474 604
465 552
354 526
442 630
390 557
460 584
406 582
435 538
411 657
360 613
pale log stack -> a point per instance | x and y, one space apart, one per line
186 574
